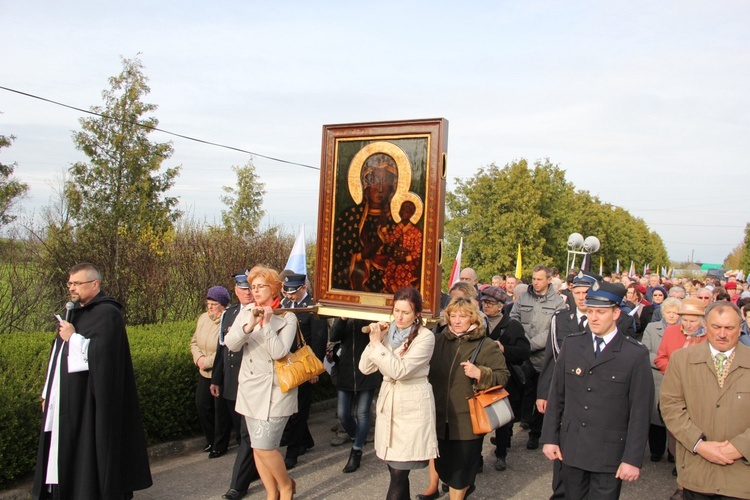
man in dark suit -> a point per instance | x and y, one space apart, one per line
224 383
564 323
297 434
599 404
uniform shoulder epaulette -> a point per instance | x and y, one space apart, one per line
635 341
578 334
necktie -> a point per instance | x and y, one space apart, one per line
719 363
599 346
582 323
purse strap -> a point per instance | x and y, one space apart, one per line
476 351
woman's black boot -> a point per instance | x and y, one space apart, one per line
354 458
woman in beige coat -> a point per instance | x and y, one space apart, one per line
264 337
405 425
203 349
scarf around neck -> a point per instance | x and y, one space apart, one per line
397 336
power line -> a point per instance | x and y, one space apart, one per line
158 129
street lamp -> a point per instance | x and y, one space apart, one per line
579 246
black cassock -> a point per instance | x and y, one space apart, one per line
102 446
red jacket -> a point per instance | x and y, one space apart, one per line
673 339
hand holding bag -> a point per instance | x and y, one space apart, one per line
299 366
488 409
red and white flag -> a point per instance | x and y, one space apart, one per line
456 265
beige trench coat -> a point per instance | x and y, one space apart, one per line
259 395
693 405
405 422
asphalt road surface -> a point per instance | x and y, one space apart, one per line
319 476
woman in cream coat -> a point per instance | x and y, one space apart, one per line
405 425
263 339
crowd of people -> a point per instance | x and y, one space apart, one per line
599 369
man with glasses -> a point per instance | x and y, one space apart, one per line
705 295
92 443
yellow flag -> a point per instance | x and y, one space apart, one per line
519 264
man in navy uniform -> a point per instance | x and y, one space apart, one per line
564 323
599 403
297 433
224 383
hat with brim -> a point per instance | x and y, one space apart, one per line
605 294
293 282
692 307
495 293
240 279
585 279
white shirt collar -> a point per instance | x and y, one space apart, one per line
607 338
714 352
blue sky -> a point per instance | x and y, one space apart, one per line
642 103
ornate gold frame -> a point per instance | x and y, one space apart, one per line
418 148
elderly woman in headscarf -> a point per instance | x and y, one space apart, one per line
657 435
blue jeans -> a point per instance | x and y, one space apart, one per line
357 425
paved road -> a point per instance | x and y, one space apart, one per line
319 476
192 476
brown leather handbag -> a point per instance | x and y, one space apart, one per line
489 409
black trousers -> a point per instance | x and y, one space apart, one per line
558 491
657 440
244 471
694 495
297 433
580 484
204 402
529 413
226 420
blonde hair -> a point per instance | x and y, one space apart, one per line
671 303
468 306
466 288
268 275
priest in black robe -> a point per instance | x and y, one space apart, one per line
92 444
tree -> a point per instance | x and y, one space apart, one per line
745 259
117 200
11 190
244 202
497 209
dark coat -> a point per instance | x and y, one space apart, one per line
353 342
564 323
509 332
102 450
451 386
314 330
599 409
226 369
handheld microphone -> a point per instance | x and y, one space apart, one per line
69 307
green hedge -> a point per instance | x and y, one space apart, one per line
165 376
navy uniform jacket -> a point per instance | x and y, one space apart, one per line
314 330
564 323
226 370
599 409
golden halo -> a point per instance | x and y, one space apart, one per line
399 199
354 177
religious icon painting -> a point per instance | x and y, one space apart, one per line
381 214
